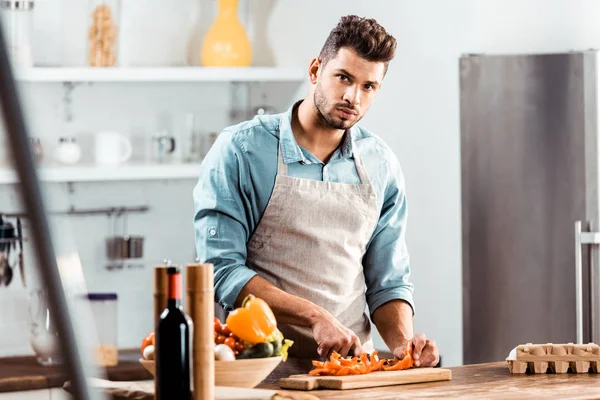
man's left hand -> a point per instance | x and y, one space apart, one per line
425 351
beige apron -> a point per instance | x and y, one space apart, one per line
310 243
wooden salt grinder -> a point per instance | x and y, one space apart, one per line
200 307
161 285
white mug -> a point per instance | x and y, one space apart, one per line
112 148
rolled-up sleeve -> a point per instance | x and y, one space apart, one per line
220 219
386 262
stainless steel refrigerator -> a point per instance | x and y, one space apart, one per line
530 201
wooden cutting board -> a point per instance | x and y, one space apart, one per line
374 379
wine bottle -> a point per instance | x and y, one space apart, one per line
174 334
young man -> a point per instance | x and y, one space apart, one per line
307 210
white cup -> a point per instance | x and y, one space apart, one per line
112 148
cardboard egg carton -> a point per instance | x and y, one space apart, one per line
558 357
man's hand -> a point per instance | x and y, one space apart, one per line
425 351
331 336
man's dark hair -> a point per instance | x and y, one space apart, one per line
363 35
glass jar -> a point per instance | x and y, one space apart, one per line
44 333
17 19
104 309
103 30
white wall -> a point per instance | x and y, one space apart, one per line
416 113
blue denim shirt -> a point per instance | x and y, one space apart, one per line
236 180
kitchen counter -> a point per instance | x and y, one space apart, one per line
480 381
489 381
24 373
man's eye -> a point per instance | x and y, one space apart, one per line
369 87
343 77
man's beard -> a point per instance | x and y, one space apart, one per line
324 117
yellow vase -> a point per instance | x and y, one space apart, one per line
226 43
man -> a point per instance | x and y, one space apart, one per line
307 210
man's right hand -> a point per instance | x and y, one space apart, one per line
331 336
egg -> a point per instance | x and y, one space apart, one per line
148 353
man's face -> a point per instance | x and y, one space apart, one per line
346 86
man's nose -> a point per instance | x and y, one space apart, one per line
352 96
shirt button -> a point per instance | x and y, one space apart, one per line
212 232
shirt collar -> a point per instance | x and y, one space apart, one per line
290 149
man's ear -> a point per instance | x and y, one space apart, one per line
313 70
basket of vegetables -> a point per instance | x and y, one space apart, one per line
248 346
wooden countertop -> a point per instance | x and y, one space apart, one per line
480 381
24 373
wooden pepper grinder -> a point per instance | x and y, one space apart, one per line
200 307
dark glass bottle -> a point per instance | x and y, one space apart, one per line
174 333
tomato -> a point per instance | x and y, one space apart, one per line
230 342
239 346
148 340
220 339
217 325
226 331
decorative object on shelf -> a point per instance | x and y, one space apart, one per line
36 149
193 137
226 44
17 20
260 14
103 33
111 148
68 150
164 148
203 18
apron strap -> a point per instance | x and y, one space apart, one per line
360 167
282 168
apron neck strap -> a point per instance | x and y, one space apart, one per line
282 168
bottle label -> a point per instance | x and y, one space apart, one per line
174 287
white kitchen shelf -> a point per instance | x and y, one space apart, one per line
166 74
93 173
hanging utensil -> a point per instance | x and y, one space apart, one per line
8 239
3 269
20 237
2 243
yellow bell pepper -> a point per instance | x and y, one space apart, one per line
253 322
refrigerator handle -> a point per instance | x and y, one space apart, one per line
581 238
